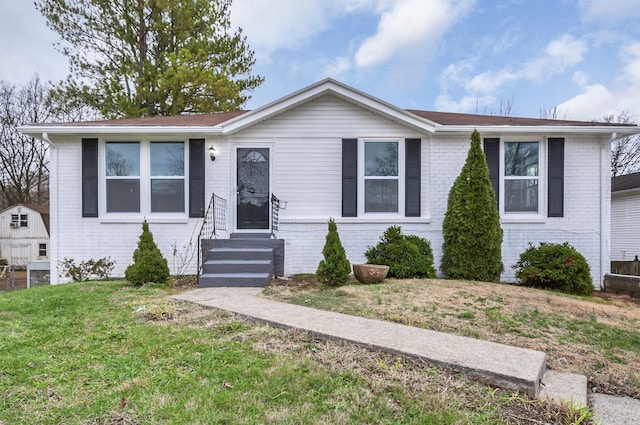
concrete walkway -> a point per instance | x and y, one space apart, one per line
494 364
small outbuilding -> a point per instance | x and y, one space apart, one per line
24 234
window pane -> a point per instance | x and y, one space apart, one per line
167 195
123 195
521 158
167 159
521 195
123 159
381 195
381 158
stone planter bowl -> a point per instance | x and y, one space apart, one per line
370 273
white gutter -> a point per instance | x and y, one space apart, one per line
605 207
39 131
54 211
553 129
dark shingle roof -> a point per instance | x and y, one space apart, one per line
196 120
443 118
450 118
626 182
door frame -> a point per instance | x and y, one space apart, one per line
234 180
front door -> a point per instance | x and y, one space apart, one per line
252 198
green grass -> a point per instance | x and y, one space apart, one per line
83 354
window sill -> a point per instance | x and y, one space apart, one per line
138 219
523 220
356 220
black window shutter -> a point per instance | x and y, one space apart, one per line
89 177
413 175
196 177
492 153
349 177
555 183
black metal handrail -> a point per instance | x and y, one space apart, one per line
276 206
214 222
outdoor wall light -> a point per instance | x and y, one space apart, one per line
212 153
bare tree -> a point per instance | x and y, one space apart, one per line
505 109
625 152
553 114
24 160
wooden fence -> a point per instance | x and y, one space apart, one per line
631 268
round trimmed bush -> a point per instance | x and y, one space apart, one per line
554 266
406 256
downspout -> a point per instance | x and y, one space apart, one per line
54 212
605 208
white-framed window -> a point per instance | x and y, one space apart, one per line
381 176
42 250
122 170
167 177
521 181
144 177
19 220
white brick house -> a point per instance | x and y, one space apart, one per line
328 150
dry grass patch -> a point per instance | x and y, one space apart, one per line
594 336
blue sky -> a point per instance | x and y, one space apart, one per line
581 56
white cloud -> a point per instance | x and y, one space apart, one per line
288 24
410 25
270 25
27 47
594 102
609 11
559 55
467 104
580 78
337 67
597 100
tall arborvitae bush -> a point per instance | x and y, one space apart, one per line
149 266
334 269
471 227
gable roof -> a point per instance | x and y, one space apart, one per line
228 123
626 182
43 210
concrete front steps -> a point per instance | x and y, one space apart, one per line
242 260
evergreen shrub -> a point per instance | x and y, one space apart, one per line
555 266
149 266
406 255
471 226
334 269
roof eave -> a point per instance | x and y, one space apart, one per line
554 129
37 130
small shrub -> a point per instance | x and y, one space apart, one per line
101 269
334 269
149 266
554 266
406 255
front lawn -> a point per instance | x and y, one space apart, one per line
108 353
